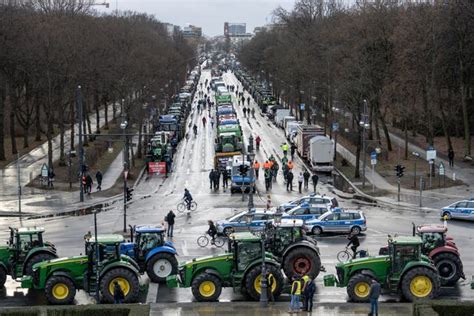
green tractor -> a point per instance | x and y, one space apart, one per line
24 249
240 268
404 270
61 278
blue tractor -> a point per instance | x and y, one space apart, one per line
152 252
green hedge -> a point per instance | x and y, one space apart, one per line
444 308
79 310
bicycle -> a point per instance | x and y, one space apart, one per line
183 205
345 255
203 241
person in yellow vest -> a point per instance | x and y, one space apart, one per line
284 148
256 167
295 294
305 281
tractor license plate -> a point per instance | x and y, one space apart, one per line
329 280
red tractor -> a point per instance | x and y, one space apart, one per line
441 249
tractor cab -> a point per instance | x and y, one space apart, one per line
403 250
433 236
109 247
245 248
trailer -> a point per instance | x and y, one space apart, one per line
304 133
280 114
321 154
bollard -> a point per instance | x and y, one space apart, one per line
454 176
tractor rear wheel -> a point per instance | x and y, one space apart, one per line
449 268
420 283
127 280
302 260
35 259
254 277
358 288
60 290
160 266
206 287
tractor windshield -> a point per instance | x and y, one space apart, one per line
248 252
404 254
148 241
432 241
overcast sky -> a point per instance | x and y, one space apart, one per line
209 14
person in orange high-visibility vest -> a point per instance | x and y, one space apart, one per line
290 165
266 165
256 167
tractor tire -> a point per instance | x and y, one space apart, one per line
420 283
206 287
301 260
128 281
60 290
358 288
160 266
3 277
449 268
252 281
35 259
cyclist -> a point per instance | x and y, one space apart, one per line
354 241
195 129
187 198
212 231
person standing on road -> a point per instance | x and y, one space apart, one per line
315 179
225 178
295 295
89 183
51 176
217 176
451 156
305 280
306 178
253 113
204 121
289 181
212 122
211 179
293 150
284 148
290 165
374 295
270 282
170 220
248 100
285 171
256 167
300 182
257 142
275 168
98 177
118 293
310 289
268 179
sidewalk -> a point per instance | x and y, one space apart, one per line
279 308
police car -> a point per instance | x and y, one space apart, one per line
460 210
306 212
312 200
338 221
238 222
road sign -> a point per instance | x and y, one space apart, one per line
44 170
125 174
442 170
430 154
157 167
373 162
302 105
335 127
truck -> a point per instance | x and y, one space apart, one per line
222 159
280 114
321 154
304 133
237 180
287 119
291 129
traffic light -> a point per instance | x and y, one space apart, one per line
243 169
399 170
129 194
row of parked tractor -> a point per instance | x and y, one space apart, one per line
170 128
261 93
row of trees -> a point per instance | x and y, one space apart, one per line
412 63
50 47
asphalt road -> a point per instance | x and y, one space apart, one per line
156 196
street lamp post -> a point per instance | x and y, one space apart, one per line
364 125
123 126
81 145
416 155
97 259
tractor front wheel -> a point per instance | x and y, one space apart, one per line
254 278
302 261
60 290
358 288
206 287
160 266
127 280
420 283
449 268
35 259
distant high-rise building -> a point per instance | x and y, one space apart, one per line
234 29
192 31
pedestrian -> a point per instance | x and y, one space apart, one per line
168 162
285 171
118 293
89 183
295 294
284 148
212 122
289 181
315 179
275 168
310 289
253 113
268 179
256 167
304 280
451 156
300 182
204 121
51 176
217 176
290 165
98 177
270 283
293 150
211 179
374 295
170 220
248 100
245 111
257 142
225 178
306 175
